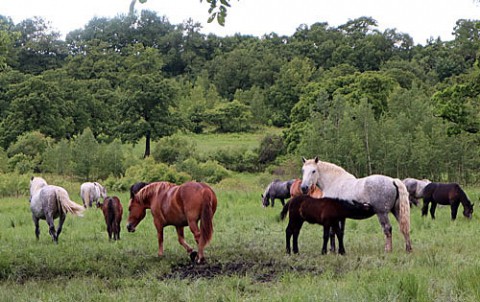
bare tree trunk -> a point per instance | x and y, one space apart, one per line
147 144
367 147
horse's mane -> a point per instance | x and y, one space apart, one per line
37 183
151 189
331 168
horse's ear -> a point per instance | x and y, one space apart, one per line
316 159
262 195
304 159
32 177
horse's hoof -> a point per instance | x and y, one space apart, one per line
193 256
201 261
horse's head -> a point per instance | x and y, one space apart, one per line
265 200
309 174
136 212
468 211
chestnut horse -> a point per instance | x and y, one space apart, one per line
112 211
180 206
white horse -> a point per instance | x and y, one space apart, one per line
49 202
92 192
415 188
383 193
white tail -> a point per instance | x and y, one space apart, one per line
67 205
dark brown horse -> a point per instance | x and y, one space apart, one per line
329 212
446 194
112 211
180 206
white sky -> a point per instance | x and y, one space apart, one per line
421 19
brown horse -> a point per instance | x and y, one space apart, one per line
112 211
446 194
296 190
329 212
180 206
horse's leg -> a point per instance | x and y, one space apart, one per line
283 201
272 199
288 236
159 227
338 229
182 241
37 226
432 209
332 240
192 223
454 209
426 201
60 223
326 236
51 227
387 230
296 233
109 231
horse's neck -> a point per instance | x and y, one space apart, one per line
332 177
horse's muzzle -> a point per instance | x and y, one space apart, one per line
130 228
304 189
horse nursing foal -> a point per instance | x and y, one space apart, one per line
383 193
180 206
329 212
50 202
112 211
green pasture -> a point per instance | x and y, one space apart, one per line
245 261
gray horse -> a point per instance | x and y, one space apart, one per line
49 202
91 192
415 189
277 189
383 193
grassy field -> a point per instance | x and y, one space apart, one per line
245 261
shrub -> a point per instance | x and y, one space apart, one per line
240 160
173 149
209 171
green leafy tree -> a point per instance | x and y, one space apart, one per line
58 158
85 151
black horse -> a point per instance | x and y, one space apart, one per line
446 194
277 189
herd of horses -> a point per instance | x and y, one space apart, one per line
326 195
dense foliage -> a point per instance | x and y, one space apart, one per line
370 101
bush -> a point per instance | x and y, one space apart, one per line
239 160
270 148
172 149
209 171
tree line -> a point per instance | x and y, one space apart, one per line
369 100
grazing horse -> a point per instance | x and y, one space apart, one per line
329 212
446 194
276 189
383 193
180 206
112 211
415 189
91 192
49 202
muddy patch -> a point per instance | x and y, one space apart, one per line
261 271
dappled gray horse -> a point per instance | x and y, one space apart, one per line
383 193
92 192
49 202
277 189
415 189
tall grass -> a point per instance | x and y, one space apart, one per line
245 261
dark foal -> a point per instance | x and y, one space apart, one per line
329 212
112 211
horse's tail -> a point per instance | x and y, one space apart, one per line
110 211
206 218
284 211
67 205
404 206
